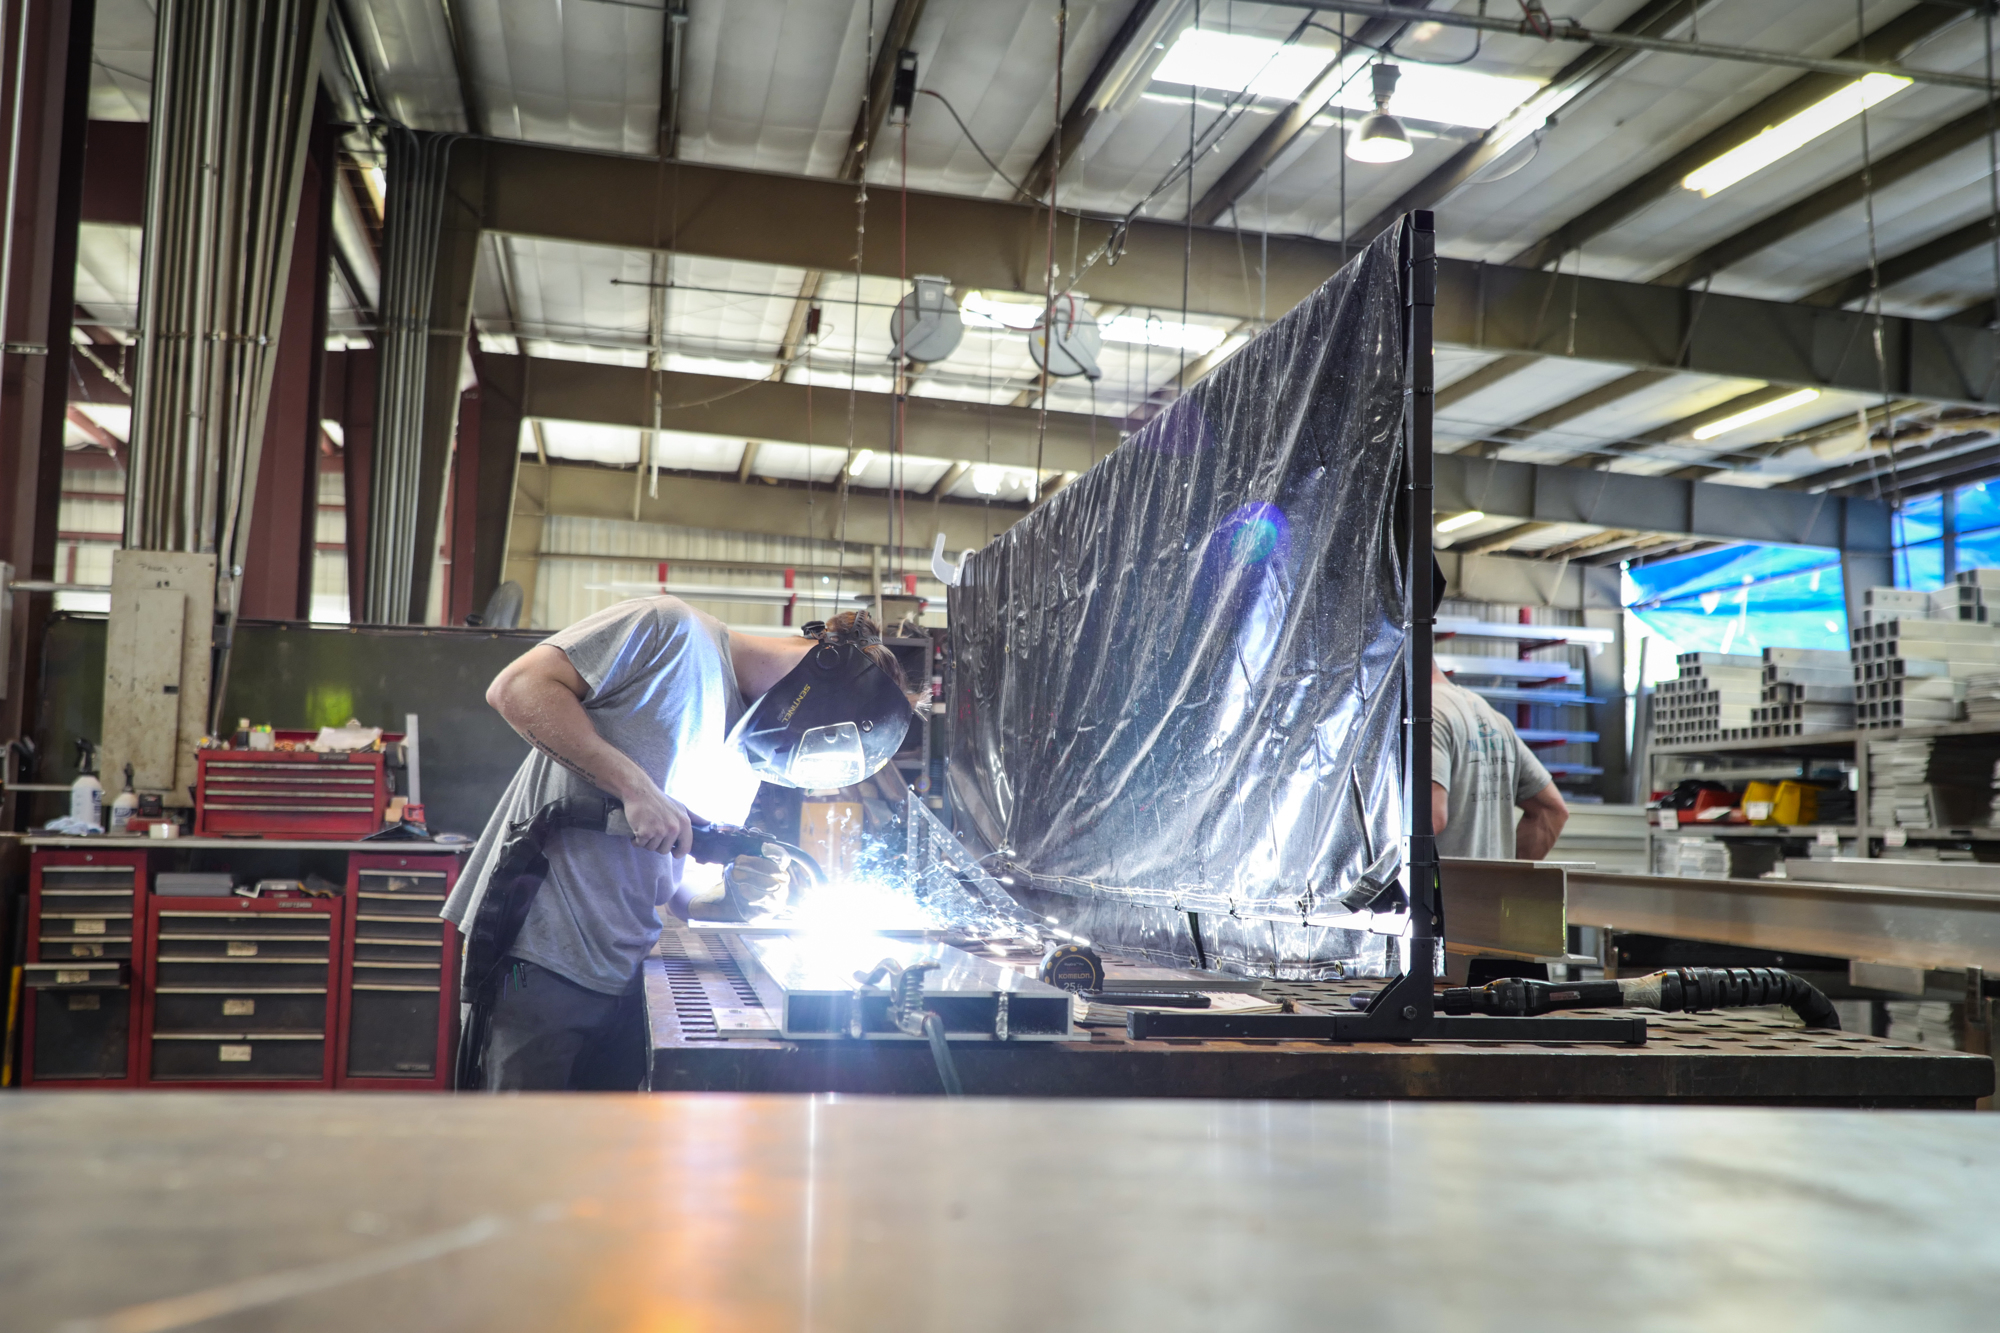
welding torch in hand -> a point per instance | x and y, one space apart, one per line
714 844
519 868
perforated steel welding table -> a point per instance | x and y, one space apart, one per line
316 1212
1745 1058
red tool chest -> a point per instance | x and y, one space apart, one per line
241 992
289 793
401 985
86 952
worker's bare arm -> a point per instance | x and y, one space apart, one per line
541 696
1542 818
1440 804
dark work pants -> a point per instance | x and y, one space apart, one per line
549 1034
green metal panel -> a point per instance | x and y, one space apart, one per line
296 676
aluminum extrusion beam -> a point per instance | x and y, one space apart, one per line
1929 928
809 223
1537 492
776 411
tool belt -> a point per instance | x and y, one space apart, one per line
518 873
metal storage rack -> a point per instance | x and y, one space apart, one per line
1849 745
1529 682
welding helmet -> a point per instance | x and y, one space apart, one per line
835 719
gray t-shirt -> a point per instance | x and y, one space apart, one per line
1485 769
662 690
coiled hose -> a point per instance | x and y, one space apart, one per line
1689 990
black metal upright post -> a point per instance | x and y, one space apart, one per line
1406 1009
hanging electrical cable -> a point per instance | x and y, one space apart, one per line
854 336
1049 265
1874 260
1113 244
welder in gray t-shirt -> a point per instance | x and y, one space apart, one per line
1480 771
662 691
638 703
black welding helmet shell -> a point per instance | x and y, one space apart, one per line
835 719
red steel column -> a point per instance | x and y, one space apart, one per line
49 42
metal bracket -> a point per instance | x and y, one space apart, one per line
906 995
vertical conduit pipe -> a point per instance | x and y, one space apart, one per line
418 163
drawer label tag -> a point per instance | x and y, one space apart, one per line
86 951
231 1053
89 925
243 949
66 977
238 1008
86 1000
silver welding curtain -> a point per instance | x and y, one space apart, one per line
1178 686
233 88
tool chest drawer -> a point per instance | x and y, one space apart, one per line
85 949
232 1057
241 991
401 962
289 792
251 1008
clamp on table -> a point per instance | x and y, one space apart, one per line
908 1014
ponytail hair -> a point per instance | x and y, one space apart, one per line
858 628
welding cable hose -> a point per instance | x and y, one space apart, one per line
947 1067
1678 990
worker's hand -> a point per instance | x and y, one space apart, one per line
659 822
760 882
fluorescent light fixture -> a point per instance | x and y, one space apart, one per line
1442 95
986 480
861 460
1457 521
1798 398
1155 332
1236 63
1788 136
980 311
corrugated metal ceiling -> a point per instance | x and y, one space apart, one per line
777 85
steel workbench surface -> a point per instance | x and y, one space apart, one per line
317 1213
1739 1058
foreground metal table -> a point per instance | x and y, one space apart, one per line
315 1212
1732 1058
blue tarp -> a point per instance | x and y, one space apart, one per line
1743 599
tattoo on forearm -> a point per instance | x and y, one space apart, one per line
528 735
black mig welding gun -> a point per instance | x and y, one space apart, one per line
1679 990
